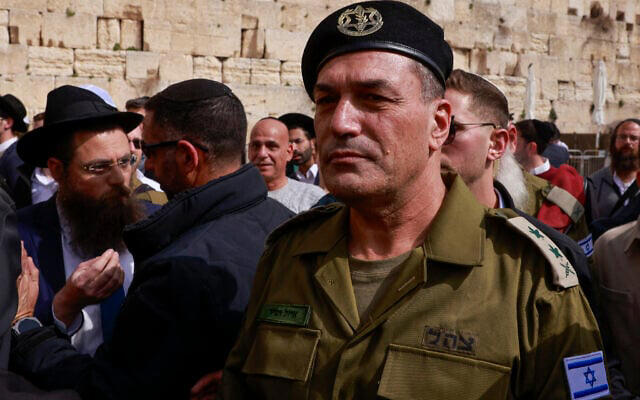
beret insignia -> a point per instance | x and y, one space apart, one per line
359 21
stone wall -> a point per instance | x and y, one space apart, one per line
137 47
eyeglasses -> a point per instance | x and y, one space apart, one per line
458 126
631 138
101 167
146 148
137 143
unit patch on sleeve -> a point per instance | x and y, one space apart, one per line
587 376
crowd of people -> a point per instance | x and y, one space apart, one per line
408 241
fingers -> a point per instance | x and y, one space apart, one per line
100 263
109 279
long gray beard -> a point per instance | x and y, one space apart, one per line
510 175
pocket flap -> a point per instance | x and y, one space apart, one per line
283 352
414 373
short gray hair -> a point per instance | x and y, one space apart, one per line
431 86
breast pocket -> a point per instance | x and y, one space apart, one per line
281 360
413 373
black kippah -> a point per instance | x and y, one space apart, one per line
194 90
377 25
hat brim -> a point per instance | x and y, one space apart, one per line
18 124
36 146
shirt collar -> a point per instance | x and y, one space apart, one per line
541 169
459 213
6 144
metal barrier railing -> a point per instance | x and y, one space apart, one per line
587 162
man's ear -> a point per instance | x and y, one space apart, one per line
498 143
289 151
56 167
187 157
532 148
513 137
441 119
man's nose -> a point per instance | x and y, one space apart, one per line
344 120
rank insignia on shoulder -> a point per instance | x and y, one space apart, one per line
285 314
587 376
563 273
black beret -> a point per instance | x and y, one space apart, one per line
194 90
377 25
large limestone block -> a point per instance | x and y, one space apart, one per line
291 73
252 43
265 72
469 36
100 63
500 62
568 47
50 61
129 9
28 24
539 43
208 67
94 7
566 90
267 13
108 33
156 36
461 59
102 83
513 17
4 36
595 49
236 70
175 67
285 45
76 31
4 18
142 64
32 90
441 11
131 34
39 5
549 88
541 21
262 101
219 34
13 59
573 116
503 38
301 17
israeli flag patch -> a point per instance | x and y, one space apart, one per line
587 376
587 245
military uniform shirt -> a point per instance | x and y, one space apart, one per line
472 314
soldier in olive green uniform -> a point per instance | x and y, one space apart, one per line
413 290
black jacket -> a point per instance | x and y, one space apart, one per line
195 261
17 175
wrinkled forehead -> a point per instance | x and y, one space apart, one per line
629 127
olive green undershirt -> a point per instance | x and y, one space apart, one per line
370 279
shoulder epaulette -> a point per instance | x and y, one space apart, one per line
565 200
303 219
564 275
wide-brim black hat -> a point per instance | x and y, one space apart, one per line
70 109
12 106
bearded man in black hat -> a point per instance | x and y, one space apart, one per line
75 237
195 258
410 289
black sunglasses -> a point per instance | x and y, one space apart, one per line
147 147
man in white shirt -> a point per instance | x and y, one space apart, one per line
269 151
75 238
303 138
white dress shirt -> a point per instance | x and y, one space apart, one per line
42 186
6 144
310 176
147 181
86 329
623 186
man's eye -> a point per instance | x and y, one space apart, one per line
325 99
374 97
98 168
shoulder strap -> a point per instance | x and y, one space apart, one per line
564 275
567 203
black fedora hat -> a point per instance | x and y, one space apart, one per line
69 109
13 107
